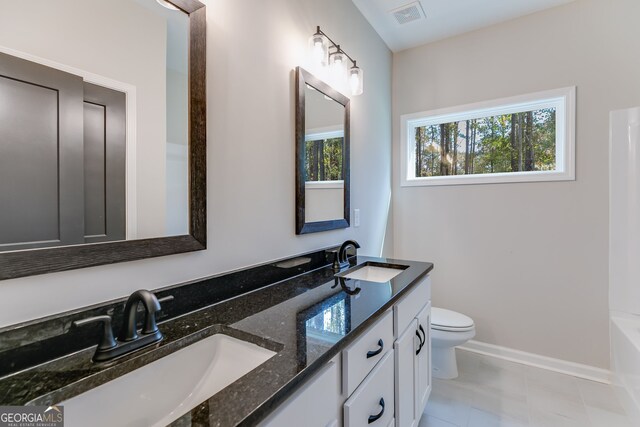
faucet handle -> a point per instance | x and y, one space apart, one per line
106 342
332 256
166 299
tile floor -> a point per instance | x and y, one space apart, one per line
492 392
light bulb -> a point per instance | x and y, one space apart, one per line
318 52
338 68
355 80
319 49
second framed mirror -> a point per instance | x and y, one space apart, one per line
322 156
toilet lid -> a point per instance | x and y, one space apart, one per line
449 320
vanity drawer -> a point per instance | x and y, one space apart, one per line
372 404
407 309
361 356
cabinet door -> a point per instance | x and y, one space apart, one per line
423 363
41 156
405 349
410 305
104 164
317 404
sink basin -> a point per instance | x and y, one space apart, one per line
375 273
160 392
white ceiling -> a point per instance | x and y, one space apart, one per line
444 18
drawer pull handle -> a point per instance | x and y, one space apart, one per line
376 352
423 339
374 418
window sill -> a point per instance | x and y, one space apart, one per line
496 178
324 185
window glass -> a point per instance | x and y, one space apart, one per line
523 138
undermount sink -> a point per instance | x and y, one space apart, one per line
375 273
160 392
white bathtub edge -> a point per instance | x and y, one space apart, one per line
625 361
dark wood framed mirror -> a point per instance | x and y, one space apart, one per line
322 155
179 28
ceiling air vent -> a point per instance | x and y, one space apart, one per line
408 13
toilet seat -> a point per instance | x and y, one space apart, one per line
450 321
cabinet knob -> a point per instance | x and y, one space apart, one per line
378 351
374 418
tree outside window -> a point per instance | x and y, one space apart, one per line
323 159
524 138
517 142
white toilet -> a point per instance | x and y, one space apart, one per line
448 330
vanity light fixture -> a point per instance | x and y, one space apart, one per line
325 51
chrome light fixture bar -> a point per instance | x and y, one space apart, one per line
325 51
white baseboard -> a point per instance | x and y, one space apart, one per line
565 367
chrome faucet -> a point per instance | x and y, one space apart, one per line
342 258
129 339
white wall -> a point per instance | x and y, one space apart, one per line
527 261
253 47
323 201
177 168
177 161
177 188
321 113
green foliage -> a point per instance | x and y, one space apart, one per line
498 144
323 159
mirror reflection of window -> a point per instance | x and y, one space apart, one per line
323 160
324 137
330 325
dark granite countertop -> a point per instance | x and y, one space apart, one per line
279 317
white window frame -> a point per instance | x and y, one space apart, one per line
563 100
328 132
